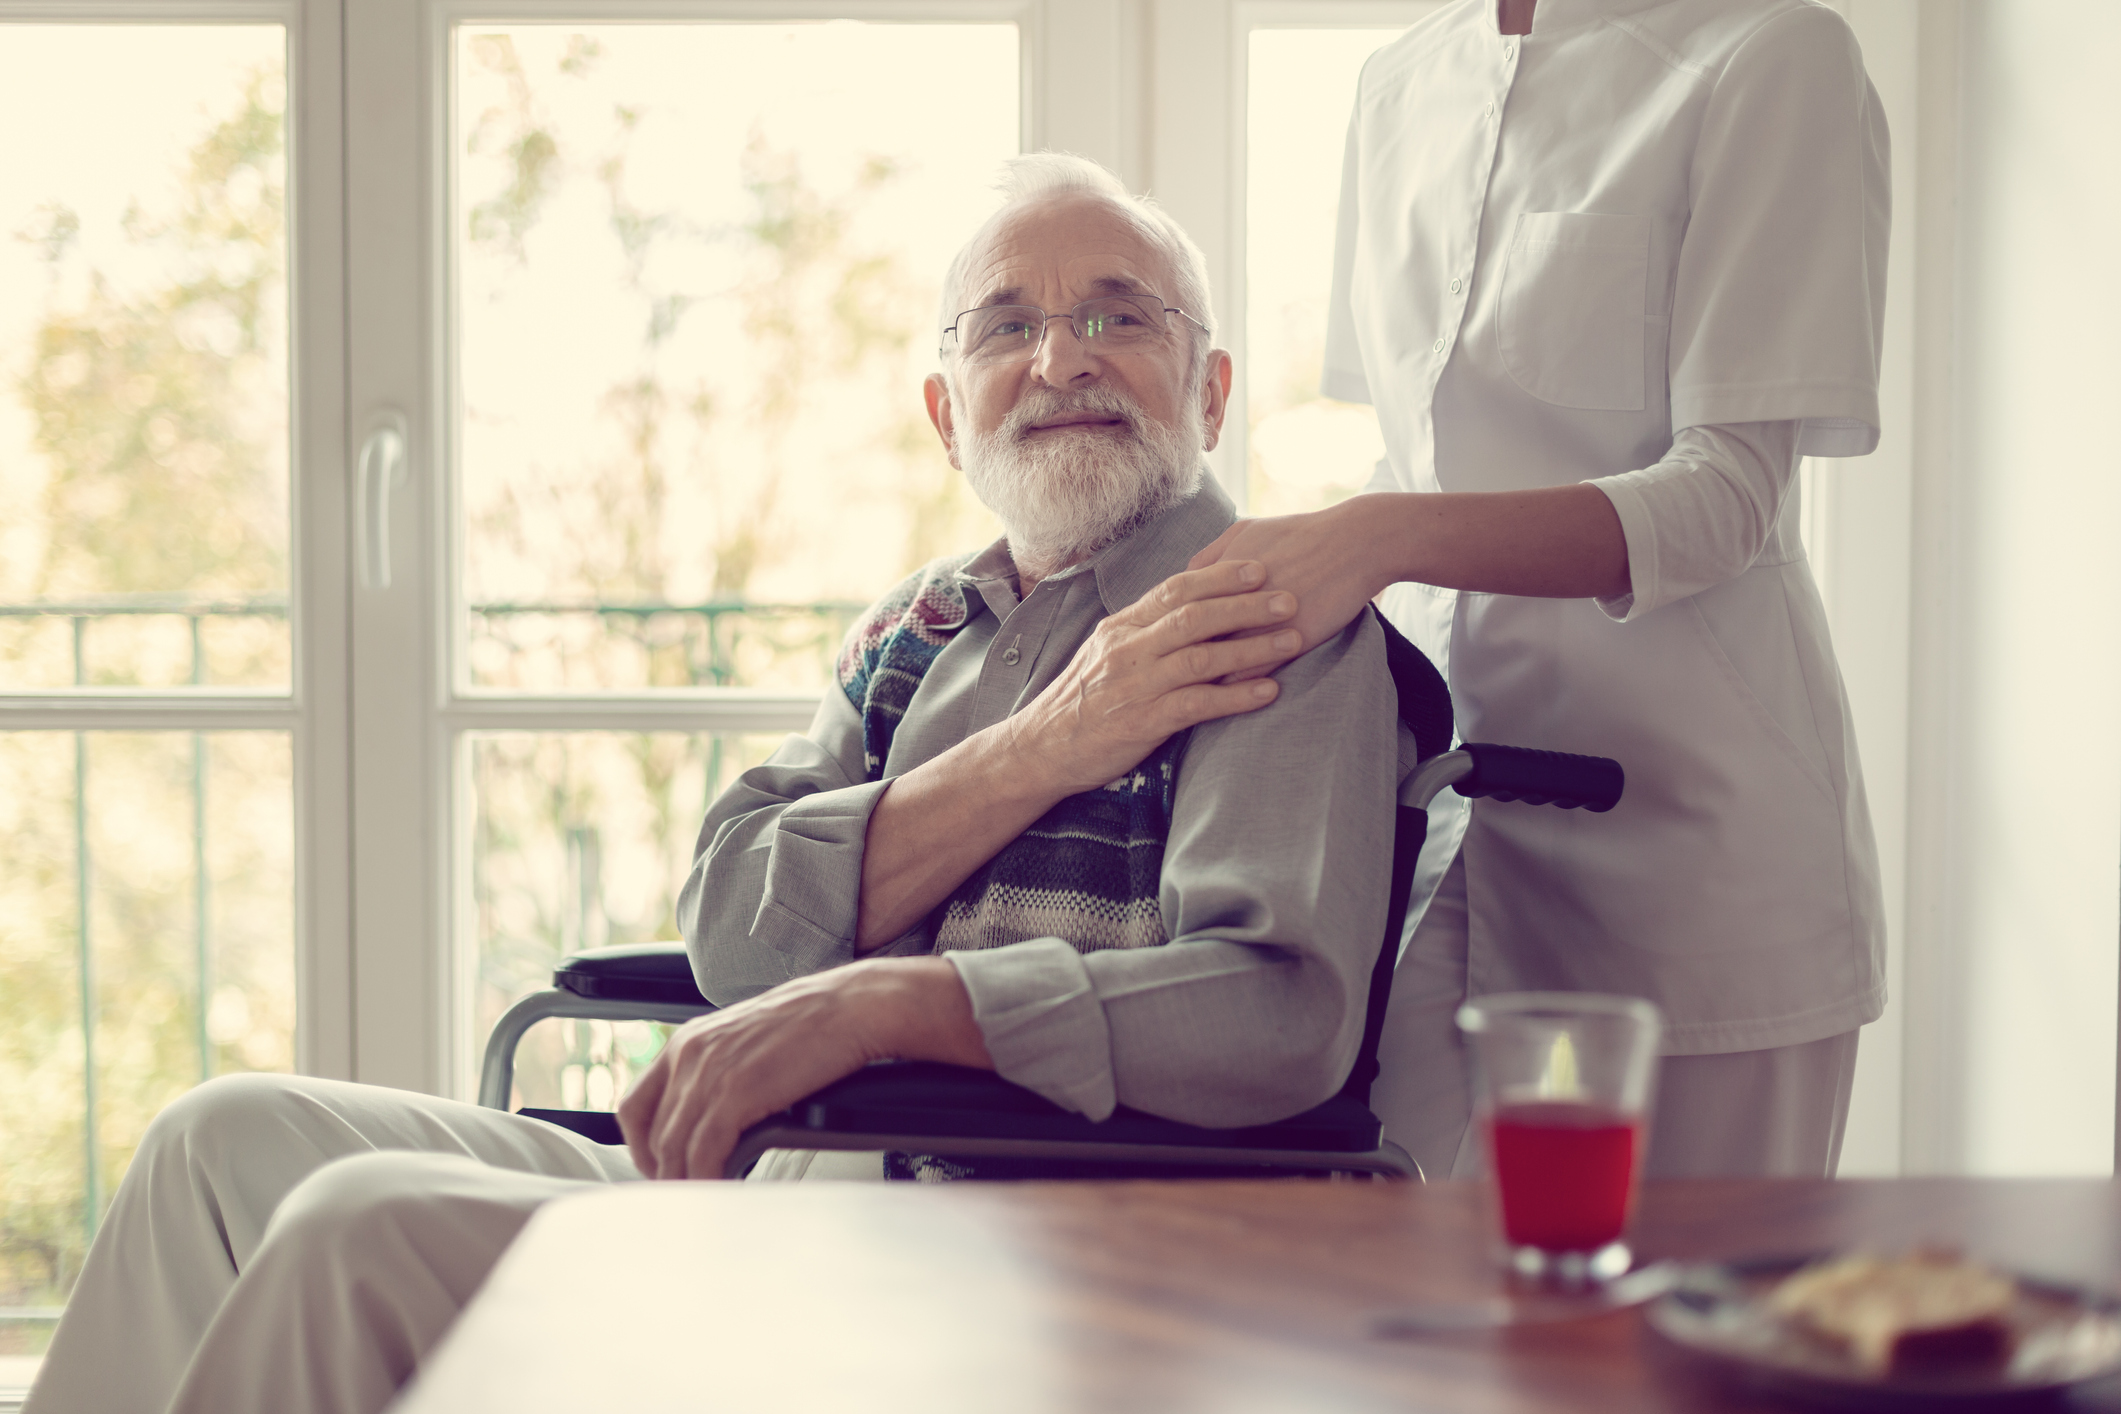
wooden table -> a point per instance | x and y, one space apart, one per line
1221 1298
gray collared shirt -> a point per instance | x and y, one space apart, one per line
1274 882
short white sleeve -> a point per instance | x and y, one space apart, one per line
1343 377
1779 301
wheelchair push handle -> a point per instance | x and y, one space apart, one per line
1556 778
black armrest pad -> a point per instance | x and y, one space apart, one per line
636 972
597 1126
945 1101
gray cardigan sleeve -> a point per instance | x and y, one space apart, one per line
777 873
1275 884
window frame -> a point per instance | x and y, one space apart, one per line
313 711
412 713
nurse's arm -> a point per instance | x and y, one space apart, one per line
1553 542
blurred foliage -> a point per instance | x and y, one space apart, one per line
144 904
158 413
161 414
815 313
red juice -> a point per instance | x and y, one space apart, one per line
1565 1170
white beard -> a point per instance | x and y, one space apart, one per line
1067 495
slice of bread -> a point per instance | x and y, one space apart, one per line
1895 1314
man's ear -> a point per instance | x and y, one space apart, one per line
1214 398
937 392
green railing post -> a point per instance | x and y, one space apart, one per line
201 903
92 1202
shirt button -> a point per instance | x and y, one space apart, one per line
1437 347
1491 110
1011 657
1509 51
1457 285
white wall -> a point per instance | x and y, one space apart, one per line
1858 517
2018 601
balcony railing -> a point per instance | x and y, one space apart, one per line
718 643
633 647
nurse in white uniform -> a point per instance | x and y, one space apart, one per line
1607 269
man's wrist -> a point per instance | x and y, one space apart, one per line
1020 766
917 1008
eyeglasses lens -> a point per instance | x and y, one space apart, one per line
1010 333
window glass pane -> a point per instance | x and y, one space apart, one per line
582 840
146 942
697 269
1304 451
143 356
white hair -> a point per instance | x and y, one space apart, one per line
1036 175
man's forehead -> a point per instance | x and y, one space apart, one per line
1006 293
1083 245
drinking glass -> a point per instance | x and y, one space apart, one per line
1562 1091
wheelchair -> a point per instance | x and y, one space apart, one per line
1004 1130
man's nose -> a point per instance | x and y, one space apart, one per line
1062 357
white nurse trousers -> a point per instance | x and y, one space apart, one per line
1773 1113
286 1245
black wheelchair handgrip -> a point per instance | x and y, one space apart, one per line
1542 777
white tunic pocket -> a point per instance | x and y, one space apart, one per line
1575 297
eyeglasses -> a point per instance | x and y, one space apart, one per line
1012 333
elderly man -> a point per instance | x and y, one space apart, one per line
1034 830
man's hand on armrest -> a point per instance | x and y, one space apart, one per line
722 1073
1149 671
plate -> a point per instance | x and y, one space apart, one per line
2061 1335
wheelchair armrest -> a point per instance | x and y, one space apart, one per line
944 1102
633 972
924 1107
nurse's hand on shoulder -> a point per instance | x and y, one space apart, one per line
1320 557
1549 542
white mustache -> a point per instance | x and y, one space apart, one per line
1042 404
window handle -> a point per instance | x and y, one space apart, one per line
380 470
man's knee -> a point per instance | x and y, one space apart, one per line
445 1210
225 1113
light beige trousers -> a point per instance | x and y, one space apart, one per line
286 1245
1777 1112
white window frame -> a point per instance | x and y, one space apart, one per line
411 834
1196 169
314 709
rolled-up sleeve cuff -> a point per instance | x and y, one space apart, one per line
1043 1022
814 871
1641 534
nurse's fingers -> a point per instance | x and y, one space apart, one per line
1215 549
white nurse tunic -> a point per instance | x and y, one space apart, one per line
1643 245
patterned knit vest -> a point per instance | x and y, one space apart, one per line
1089 870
